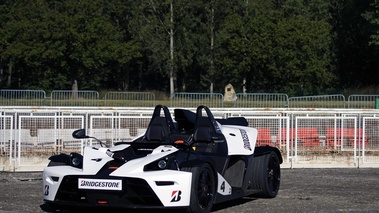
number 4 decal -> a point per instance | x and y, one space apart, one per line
223 186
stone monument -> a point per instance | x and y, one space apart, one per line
230 94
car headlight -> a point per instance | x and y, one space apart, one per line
76 160
162 164
168 162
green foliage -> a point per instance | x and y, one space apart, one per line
292 46
58 42
278 49
355 48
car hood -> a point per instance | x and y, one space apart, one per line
95 158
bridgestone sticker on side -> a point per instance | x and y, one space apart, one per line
100 184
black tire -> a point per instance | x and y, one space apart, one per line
266 175
203 188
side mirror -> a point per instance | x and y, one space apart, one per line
79 134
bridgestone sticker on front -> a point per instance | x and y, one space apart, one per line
99 184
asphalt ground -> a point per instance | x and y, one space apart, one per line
301 190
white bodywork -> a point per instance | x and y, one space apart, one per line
241 140
177 194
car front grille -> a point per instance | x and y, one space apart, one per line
135 192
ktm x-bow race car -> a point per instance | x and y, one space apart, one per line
191 162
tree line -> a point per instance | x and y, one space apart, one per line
297 47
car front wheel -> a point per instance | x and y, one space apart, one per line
203 188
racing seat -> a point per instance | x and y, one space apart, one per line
207 136
205 127
203 131
158 130
202 134
160 127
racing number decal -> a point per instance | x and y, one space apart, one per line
46 190
222 187
175 195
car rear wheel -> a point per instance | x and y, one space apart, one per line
266 175
203 188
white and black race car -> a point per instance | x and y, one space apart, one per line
191 162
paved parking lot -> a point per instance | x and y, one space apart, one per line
302 190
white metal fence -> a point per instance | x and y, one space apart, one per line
306 138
